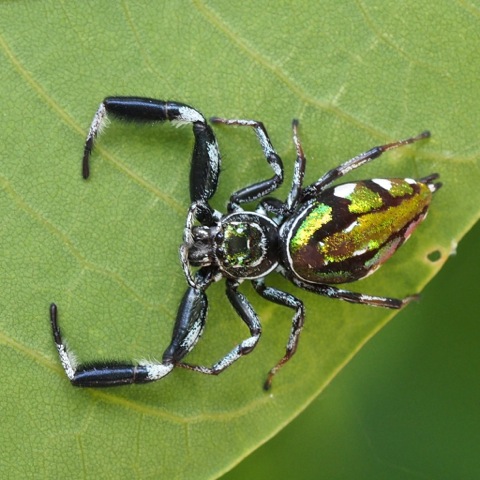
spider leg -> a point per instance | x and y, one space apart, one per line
288 300
206 156
189 325
278 207
263 188
102 374
245 311
299 171
320 185
188 328
353 297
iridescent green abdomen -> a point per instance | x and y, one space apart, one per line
353 228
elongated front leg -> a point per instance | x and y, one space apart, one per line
206 157
287 300
263 188
189 326
245 311
103 374
324 182
188 329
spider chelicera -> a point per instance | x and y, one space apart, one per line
321 235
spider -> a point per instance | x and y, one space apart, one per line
320 236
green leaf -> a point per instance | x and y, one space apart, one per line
105 250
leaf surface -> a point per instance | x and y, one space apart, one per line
105 250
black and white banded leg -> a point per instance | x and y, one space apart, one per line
188 329
260 189
206 156
103 374
315 189
287 300
278 207
353 297
246 312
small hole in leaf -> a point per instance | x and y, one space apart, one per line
434 256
